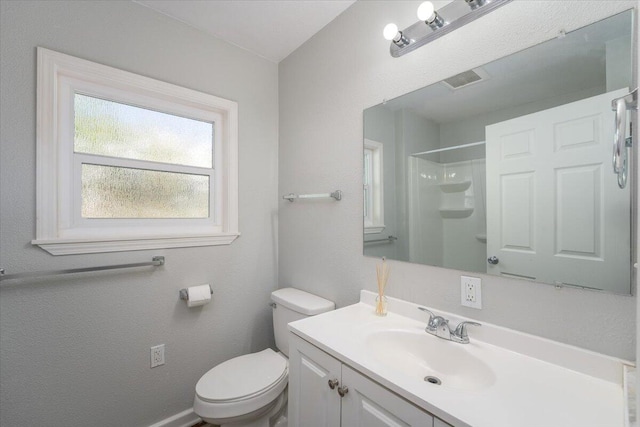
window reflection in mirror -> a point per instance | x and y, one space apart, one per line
506 169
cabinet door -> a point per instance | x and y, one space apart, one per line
368 404
312 403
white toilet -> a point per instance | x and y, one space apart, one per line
251 390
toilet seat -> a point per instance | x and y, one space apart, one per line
241 385
242 377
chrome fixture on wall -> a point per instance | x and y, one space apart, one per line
433 24
620 142
337 195
156 261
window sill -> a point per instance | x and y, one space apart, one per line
90 246
374 229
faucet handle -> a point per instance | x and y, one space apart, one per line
461 330
430 323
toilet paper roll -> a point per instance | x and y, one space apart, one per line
198 295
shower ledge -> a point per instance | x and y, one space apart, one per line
454 187
455 213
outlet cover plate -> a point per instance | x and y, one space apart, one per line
471 292
157 355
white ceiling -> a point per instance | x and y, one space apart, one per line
271 29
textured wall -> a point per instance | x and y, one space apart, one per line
74 350
325 85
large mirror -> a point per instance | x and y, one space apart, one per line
506 169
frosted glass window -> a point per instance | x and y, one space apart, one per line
126 162
113 129
117 192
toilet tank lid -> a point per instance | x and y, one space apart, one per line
301 301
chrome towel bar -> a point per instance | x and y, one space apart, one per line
336 195
156 261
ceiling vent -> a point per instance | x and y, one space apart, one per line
466 78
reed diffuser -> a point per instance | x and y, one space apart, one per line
382 274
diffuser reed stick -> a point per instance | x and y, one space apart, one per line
382 274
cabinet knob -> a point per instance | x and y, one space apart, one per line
333 384
493 260
343 390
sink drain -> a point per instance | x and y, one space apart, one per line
432 380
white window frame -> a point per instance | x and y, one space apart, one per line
60 228
374 222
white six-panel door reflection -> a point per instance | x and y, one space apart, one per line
555 212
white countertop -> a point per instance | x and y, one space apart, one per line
560 386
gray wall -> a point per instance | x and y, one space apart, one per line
74 350
325 85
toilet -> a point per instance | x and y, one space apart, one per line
251 390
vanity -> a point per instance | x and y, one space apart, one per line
351 367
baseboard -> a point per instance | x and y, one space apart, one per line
185 418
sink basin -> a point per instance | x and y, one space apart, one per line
420 355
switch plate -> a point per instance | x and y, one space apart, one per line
471 292
157 355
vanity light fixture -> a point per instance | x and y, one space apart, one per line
433 24
474 4
427 13
391 33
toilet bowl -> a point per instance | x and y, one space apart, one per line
251 390
243 389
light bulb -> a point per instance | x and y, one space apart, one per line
390 31
426 11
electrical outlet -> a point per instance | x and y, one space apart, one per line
157 355
471 292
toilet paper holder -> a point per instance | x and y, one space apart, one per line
184 295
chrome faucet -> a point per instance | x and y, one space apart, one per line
439 326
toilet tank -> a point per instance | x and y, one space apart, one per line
292 304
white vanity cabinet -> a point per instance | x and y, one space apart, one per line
500 383
365 403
